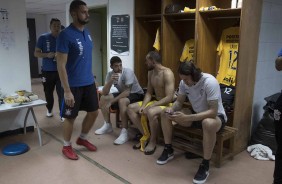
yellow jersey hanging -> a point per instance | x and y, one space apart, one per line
227 50
188 51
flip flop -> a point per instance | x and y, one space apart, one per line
136 146
150 152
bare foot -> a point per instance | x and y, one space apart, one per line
151 147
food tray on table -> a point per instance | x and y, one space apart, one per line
17 100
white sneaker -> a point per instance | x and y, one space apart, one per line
106 128
62 119
49 114
123 137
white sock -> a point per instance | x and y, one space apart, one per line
123 130
83 136
67 143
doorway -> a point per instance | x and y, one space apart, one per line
33 61
98 30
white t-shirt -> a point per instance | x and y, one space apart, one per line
127 78
206 89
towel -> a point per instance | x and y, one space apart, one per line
260 152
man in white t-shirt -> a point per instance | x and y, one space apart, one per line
129 91
207 113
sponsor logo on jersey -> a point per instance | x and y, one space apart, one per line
80 46
47 45
229 80
90 38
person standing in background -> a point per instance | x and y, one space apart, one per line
46 49
74 59
278 129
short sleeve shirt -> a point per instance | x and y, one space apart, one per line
78 45
127 78
206 89
47 43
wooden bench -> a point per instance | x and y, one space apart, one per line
191 139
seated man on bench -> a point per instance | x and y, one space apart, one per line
129 91
203 92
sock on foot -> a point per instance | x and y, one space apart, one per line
206 163
83 136
67 143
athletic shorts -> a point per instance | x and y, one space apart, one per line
151 102
198 124
133 97
85 100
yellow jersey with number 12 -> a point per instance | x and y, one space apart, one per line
157 44
188 51
227 50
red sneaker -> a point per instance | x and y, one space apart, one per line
86 144
69 153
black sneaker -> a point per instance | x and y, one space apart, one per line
202 174
166 156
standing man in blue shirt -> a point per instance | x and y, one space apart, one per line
46 49
74 59
278 128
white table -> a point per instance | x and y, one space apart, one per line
8 107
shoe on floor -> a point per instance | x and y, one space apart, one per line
85 143
202 175
69 153
62 119
123 137
106 128
49 114
166 155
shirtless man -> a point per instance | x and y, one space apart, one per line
161 84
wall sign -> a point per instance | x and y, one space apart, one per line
120 34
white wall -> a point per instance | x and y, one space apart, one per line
14 62
268 80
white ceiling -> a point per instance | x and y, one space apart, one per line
46 6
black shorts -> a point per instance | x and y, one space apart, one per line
85 99
198 124
133 97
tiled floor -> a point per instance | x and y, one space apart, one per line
111 164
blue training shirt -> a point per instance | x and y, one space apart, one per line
280 53
47 43
78 45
